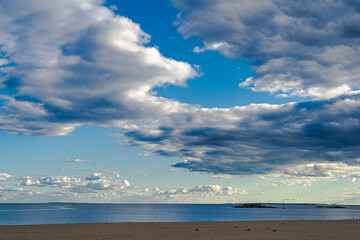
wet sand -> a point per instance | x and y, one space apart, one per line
338 229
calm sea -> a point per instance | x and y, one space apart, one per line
50 213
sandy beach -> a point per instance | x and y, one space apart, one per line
339 229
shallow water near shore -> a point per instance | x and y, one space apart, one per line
58 213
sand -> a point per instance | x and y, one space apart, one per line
339 229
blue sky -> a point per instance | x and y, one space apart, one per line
179 101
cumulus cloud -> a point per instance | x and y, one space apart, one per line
305 174
203 191
70 63
257 139
97 187
302 48
89 184
305 182
322 170
17 192
5 176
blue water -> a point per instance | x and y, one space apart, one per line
52 213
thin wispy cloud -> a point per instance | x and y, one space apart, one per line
76 160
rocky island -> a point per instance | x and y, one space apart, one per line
331 206
252 205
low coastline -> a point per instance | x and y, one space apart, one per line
274 229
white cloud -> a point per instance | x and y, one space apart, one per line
319 169
99 188
5 176
111 171
305 174
223 176
3 62
17 192
353 176
198 49
93 183
307 48
76 63
290 182
77 160
203 191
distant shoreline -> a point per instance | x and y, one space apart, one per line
120 203
274 229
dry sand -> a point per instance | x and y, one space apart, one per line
342 229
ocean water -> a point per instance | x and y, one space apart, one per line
55 213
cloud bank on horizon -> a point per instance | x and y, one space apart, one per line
103 188
66 64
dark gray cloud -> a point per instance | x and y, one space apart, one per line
257 139
305 48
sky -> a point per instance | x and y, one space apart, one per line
180 101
